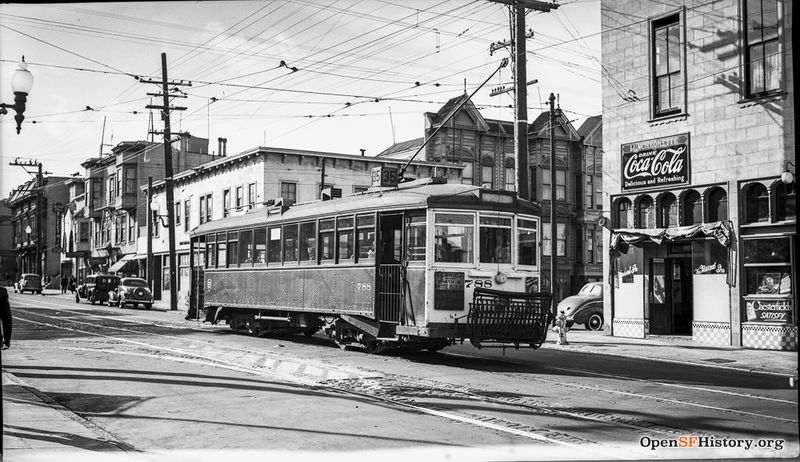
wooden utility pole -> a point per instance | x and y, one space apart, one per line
37 237
149 267
518 51
165 112
553 220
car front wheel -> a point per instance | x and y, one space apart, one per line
595 322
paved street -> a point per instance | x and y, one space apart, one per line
138 383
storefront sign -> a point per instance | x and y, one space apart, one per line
766 310
713 268
656 162
626 274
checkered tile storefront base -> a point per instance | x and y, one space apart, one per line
711 333
628 327
769 337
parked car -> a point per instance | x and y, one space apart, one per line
29 282
133 291
96 288
586 307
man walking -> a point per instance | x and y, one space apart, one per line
64 283
5 317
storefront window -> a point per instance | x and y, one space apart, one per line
768 266
692 209
717 205
757 203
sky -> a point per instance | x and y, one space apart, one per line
357 74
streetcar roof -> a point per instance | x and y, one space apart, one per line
454 196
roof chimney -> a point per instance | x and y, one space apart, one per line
224 146
219 146
362 152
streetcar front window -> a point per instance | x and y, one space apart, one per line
454 238
365 230
416 238
526 242
495 240
327 244
260 241
308 242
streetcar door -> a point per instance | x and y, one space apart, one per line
390 266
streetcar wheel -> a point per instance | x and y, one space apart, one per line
595 322
374 347
309 332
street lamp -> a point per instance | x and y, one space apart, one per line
787 177
21 84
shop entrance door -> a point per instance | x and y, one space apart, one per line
670 292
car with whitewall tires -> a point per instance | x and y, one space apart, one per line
585 307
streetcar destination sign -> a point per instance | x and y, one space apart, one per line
656 162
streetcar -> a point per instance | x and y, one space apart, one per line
421 265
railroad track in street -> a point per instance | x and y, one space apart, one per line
527 417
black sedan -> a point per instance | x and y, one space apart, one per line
586 307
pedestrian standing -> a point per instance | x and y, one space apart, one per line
5 318
72 284
64 283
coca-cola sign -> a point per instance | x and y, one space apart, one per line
656 162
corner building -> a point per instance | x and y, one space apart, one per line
698 172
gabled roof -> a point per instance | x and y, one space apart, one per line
564 128
590 125
435 119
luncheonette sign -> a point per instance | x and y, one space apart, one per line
656 162
769 310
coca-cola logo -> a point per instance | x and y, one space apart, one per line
657 162
662 162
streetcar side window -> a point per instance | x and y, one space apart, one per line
327 244
365 233
344 231
221 251
290 244
211 251
308 243
526 242
417 237
233 248
454 237
246 247
495 239
260 244
274 245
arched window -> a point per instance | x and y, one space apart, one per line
646 212
624 214
668 211
692 208
756 203
717 205
487 171
785 196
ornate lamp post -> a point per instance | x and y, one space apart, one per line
21 84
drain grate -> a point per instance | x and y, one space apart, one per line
720 360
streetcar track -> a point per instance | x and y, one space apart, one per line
345 386
490 423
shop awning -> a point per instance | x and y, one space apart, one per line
120 264
721 230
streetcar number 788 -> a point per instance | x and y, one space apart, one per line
481 283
